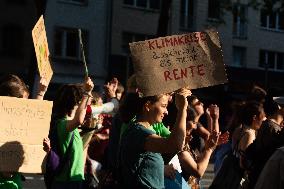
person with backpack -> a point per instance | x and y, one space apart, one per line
69 112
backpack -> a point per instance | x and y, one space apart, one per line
229 175
55 161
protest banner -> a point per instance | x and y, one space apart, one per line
166 64
24 124
41 49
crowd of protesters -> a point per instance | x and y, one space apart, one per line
120 139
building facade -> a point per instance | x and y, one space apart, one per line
251 38
63 18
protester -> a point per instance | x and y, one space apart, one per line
69 112
270 137
201 134
193 166
126 115
119 91
13 86
252 118
140 162
233 123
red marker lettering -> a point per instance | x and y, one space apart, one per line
200 69
167 75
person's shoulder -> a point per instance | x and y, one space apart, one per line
249 135
141 129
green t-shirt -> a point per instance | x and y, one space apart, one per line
15 182
159 128
75 172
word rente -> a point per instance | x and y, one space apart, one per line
183 73
176 40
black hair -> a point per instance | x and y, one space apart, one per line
190 100
66 98
251 109
191 114
270 106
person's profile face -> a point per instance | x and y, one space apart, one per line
260 118
159 109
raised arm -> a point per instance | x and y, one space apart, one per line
212 116
175 141
198 168
82 107
42 88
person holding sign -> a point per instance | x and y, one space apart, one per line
13 86
140 161
69 112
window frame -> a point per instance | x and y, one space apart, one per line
134 5
266 24
240 23
244 57
266 57
186 15
63 44
74 2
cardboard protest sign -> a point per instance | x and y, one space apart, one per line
41 49
166 64
24 124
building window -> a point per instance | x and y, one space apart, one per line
128 37
214 9
272 20
239 56
146 4
240 21
271 60
12 39
186 13
67 44
78 2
